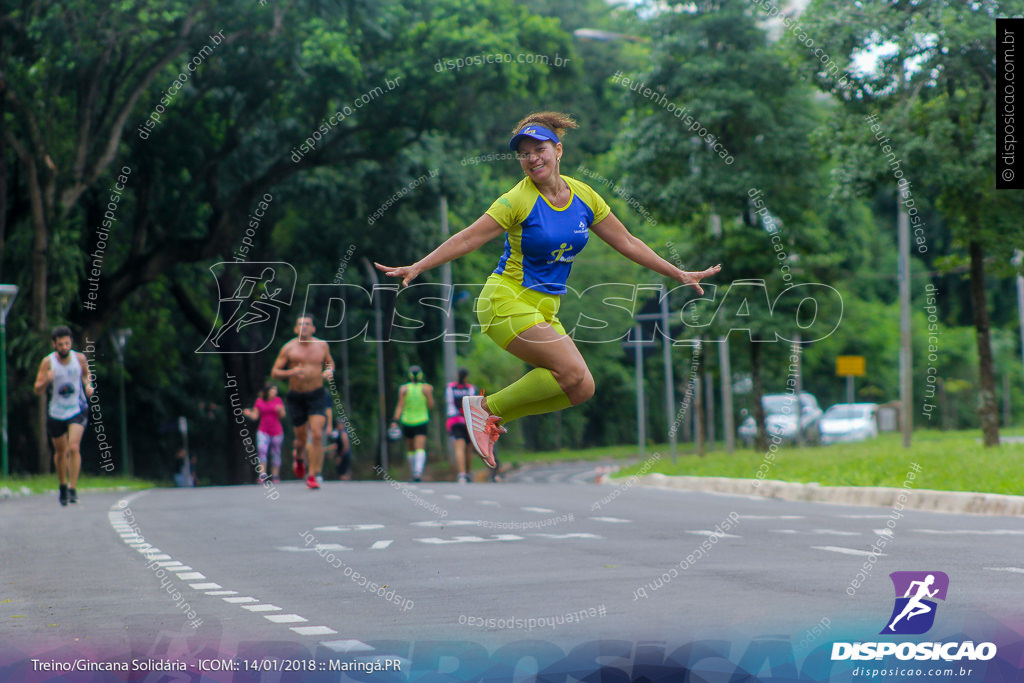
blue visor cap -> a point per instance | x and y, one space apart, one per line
535 132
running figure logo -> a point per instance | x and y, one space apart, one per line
247 319
914 611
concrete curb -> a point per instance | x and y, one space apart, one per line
959 502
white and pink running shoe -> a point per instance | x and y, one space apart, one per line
483 428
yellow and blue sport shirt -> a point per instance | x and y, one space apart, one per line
542 241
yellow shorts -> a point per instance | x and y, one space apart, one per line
505 308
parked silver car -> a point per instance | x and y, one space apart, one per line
849 422
780 417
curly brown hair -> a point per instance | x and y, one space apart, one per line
552 120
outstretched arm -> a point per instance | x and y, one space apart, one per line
612 231
482 231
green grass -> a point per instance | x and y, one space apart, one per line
949 461
47 483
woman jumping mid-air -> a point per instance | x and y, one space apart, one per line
547 219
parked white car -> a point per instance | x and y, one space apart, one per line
849 422
780 418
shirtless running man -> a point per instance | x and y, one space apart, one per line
306 362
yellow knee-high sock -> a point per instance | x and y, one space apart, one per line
534 393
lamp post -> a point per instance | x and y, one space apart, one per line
382 426
7 296
120 338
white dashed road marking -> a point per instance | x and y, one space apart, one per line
262 608
133 539
613 520
847 551
285 618
470 539
1015 570
706 532
380 545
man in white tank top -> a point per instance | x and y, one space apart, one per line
66 374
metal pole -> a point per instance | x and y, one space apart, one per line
727 422
378 325
641 419
3 388
125 460
449 319
709 408
906 369
797 350
670 388
849 388
1020 313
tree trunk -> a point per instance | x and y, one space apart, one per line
988 408
761 440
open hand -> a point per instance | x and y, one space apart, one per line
407 273
693 278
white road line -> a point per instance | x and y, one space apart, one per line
1015 570
452 496
314 631
131 538
489 502
883 532
817 532
470 539
707 532
262 608
772 517
613 520
571 535
847 551
346 645
976 532
864 516
449 522
284 618
380 545
533 509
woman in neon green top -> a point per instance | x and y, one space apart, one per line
547 219
415 401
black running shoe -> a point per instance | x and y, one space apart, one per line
72 496
63 494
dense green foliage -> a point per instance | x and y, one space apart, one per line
89 90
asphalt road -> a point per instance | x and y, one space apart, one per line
477 562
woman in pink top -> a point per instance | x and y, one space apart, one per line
269 410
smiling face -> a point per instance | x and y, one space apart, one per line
539 158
